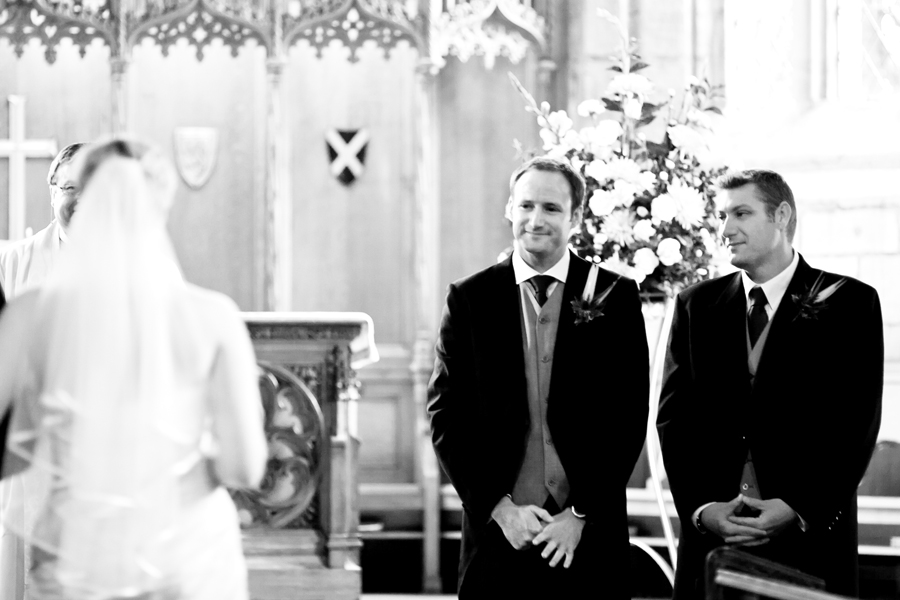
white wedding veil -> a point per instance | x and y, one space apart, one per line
103 424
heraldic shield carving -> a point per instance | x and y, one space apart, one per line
347 153
196 149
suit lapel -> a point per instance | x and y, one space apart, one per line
576 277
509 328
732 306
780 343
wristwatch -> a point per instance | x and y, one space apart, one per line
578 514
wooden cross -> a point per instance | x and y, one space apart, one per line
17 149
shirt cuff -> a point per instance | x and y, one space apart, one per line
696 517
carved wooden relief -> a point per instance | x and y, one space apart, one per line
295 432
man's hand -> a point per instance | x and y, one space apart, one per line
520 524
775 516
719 518
562 537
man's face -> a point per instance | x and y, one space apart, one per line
753 237
541 213
64 192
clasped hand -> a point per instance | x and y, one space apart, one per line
720 518
531 525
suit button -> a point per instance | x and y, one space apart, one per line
544 320
548 442
745 487
552 482
545 359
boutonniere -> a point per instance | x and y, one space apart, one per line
587 308
813 300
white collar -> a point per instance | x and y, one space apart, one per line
523 272
774 288
63 237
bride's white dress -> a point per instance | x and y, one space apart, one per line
124 549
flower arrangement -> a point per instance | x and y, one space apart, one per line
650 211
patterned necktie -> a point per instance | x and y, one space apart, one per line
757 319
540 283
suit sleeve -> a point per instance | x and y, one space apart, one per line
850 419
449 392
675 421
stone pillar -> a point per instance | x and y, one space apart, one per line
278 259
427 266
120 115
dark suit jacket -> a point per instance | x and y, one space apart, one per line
4 422
596 413
810 420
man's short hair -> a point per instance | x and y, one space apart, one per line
772 188
545 163
65 156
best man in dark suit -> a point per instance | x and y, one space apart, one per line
4 419
771 398
536 418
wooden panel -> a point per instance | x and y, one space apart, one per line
217 230
481 115
352 245
387 419
68 101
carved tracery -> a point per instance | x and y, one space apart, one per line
487 27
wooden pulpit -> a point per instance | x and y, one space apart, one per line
301 529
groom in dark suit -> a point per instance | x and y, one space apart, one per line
771 398
538 414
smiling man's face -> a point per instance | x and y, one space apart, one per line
542 218
754 237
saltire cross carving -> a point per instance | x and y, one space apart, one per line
347 152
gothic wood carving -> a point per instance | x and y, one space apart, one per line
295 430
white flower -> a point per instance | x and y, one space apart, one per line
572 140
560 122
627 84
623 192
617 227
606 133
669 251
550 139
691 204
664 208
644 229
687 139
589 108
642 212
633 108
602 203
617 265
645 261
621 168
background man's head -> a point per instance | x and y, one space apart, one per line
760 217
546 198
64 188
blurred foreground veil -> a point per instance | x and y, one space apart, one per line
111 428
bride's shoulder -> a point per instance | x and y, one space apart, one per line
212 304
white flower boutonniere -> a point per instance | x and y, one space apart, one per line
812 302
587 308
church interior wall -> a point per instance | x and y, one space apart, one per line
353 244
216 230
481 115
67 101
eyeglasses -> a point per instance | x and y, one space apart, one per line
67 189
